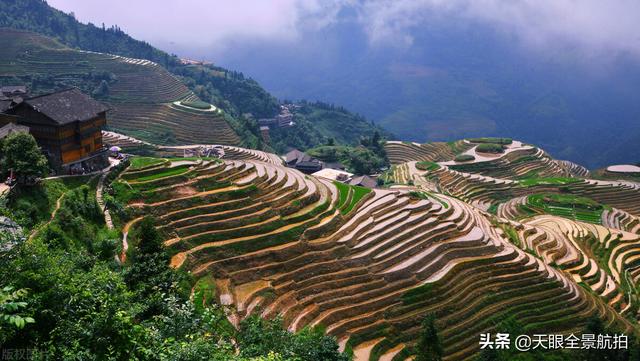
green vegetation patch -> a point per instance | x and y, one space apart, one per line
166 173
490 148
535 181
211 159
197 104
464 158
349 196
568 206
138 163
204 292
359 159
424 165
458 147
30 205
503 141
417 294
511 233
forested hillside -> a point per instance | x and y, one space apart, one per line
320 123
240 97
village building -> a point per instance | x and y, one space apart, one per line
309 166
285 118
264 133
334 175
10 92
363 181
67 126
302 161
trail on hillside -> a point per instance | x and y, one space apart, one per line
36 230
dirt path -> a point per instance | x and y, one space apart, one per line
125 233
100 199
53 215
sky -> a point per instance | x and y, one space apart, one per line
592 29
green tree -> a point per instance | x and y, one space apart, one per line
330 141
150 241
149 274
22 155
260 337
429 347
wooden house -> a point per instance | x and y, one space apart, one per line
67 126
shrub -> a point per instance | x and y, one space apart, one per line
427 165
464 158
503 141
490 148
198 104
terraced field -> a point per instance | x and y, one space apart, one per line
400 152
141 95
368 265
131 144
567 206
169 125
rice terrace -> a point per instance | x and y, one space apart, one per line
368 265
157 207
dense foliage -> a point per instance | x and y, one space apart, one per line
228 90
366 158
503 141
85 305
20 153
429 347
323 124
11 305
258 336
464 158
490 148
425 165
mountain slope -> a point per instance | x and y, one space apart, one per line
141 93
368 265
241 98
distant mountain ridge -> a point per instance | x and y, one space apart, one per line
460 80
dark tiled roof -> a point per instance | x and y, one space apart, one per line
66 106
311 164
294 155
364 181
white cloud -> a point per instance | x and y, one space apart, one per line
593 26
206 23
